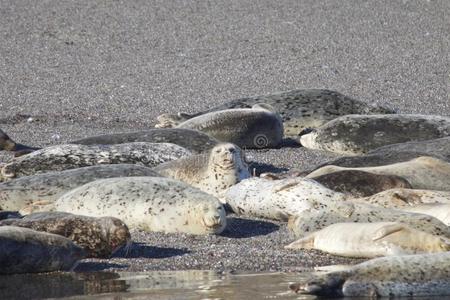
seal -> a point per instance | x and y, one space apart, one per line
279 199
314 220
193 140
420 275
370 240
299 109
24 250
69 156
99 237
21 194
425 172
7 144
256 127
358 134
359 183
5 214
148 203
440 211
212 172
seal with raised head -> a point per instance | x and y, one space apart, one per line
99 237
419 275
212 172
21 193
70 156
193 140
279 199
425 172
148 203
256 127
314 220
358 134
23 250
299 109
359 183
371 240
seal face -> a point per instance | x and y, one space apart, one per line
24 193
279 199
358 134
299 109
372 240
420 275
27 251
422 173
69 156
148 203
212 172
99 237
247 128
193 140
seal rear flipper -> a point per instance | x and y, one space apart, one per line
6 143
285 185
303 243
387 230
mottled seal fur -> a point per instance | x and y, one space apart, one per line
212 172
193 140
420 275
47 187
358 134
313 220
440 211
99 237
371 240
148 203
23 250
279 199
299 109
422 173
255 127
360 183
70 156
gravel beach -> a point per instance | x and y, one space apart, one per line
71 69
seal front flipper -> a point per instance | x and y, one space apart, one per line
387 230
172 120
304 243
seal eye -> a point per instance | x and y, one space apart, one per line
232 150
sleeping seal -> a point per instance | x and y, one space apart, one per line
440 211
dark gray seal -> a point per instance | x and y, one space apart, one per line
299 109
99 237
47 187
193 140
359 134
24 250
70 156
7 214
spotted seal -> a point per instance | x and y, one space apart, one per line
279 199
314 220
24 250
358 134
148 203
21 193
99 237
299 109
70 156
419 275
371 240
212 172
440 211
256 127
360 183
422 173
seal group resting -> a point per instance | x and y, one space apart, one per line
148 203
299 109
420 275
256 127
70 156
372 240
23 250
47 187
99 237
358 134
422 173
193 140
314 220
212 172
279 199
